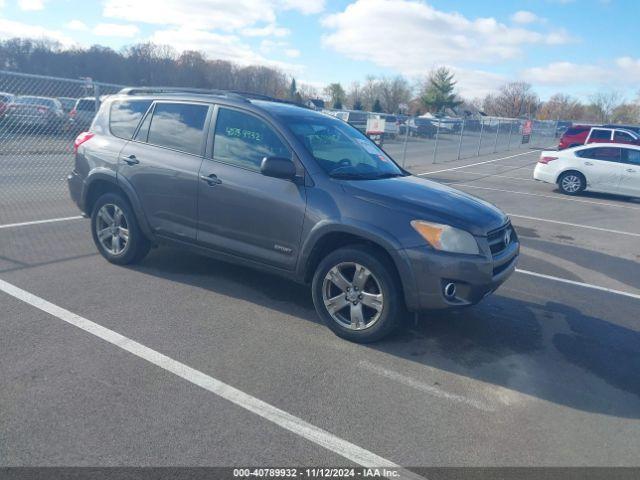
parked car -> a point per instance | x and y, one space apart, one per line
41 114
67 103
606 167
5 100
356 118
633 128
391 126
583 134
290 191
421 127
561 127
81 115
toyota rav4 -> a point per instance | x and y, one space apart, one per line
290 191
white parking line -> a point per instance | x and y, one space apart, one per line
555 197
579 284
424 387
495 175
39 222
265 410
478 163
608 230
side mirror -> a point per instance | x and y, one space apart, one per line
278 167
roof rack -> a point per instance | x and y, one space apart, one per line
199 91
234 94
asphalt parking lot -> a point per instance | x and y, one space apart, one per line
183 360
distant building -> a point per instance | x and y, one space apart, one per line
315 103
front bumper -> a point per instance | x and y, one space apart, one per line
475 276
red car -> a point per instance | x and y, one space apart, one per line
583 134
5 100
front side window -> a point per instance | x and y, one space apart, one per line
125 116
244 140
179 126
341 150
608 154
623 137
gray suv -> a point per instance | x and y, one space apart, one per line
289 191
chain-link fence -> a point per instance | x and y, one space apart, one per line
423 140
41 116
39 119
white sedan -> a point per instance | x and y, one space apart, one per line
603 167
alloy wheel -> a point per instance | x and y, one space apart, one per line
571 183
112 229
352 295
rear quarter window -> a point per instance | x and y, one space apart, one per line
125 116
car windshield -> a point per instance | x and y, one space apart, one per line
422 121
341 150
34 101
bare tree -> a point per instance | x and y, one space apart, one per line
603 104
514 99
562 107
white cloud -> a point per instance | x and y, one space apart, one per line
563 73
524 17
306 7
219 46
411 36
12 29
193 14
115 30
623 72
267 31
31 5
77 25
292 52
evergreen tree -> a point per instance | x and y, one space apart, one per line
377 107
438 93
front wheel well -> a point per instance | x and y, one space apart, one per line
335 240
96 190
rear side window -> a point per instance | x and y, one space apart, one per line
125 116
244 140
575 130
601 153
600 134
179 126
632 156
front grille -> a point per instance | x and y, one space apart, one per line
496 239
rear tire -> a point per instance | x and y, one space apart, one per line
572 183
357 294
116 232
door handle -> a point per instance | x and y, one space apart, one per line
588 164
130 159
212 179
630 170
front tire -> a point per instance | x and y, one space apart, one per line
572 183
116 232
357 294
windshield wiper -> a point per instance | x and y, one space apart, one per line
389 175
347 175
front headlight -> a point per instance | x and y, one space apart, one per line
446 238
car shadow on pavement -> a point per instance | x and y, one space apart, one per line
539 348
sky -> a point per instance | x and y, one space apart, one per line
576 47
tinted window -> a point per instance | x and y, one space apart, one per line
575 130
632 156
622 137
600 134
244 140
86 105
179 126
125 117
602 153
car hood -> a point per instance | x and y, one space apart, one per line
431 201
